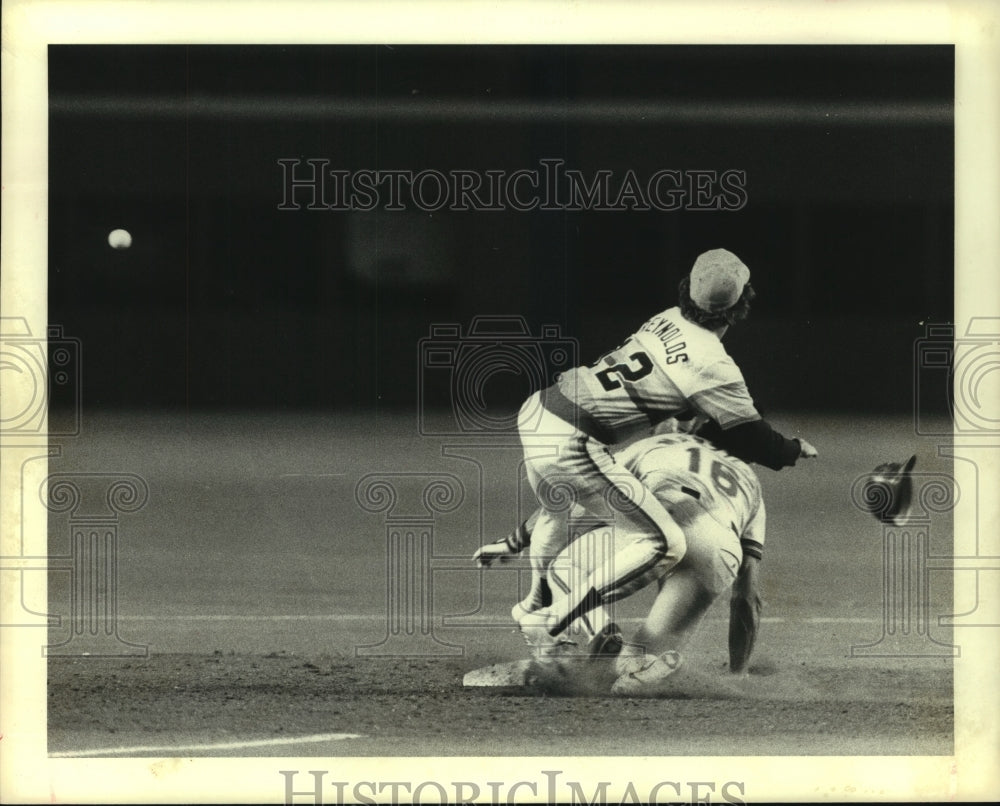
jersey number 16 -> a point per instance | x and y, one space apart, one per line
723 478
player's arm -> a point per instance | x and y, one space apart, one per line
745 607
745 603
758 442
736 424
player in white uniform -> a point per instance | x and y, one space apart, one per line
674 364
716 500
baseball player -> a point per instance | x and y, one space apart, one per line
674 364
715 498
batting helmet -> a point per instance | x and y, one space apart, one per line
888 492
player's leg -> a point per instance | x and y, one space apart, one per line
709 568
595 630
676 613
651 542
544 438
552 529
684 599
566 468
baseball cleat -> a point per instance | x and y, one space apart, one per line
647 680
535 626
522 610
540 596
544 647
607 643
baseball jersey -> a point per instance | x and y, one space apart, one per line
668 367
725 486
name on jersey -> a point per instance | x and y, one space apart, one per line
670 335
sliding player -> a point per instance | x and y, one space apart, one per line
716 500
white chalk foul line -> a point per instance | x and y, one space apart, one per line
173 749
311 475
470 622
248 617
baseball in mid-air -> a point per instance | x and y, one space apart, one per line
119 239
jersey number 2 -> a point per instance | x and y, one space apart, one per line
625 372
722 477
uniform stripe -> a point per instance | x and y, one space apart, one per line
555 578
636 574
752 547
661 546
591 599
651 522
559 405
519 538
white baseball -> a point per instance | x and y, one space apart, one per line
119 239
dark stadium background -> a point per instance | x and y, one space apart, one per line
225 302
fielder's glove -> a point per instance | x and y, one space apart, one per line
509 547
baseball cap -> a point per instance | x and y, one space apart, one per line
718 278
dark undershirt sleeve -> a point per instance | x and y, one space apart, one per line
754 442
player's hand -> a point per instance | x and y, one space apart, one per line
493 553
807 451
